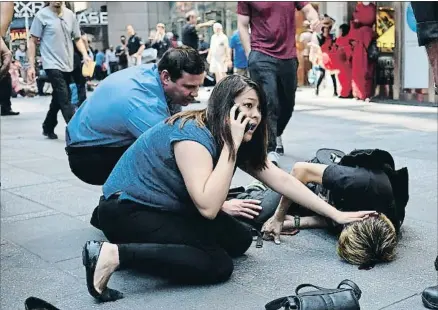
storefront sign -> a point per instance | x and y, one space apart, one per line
21 8
18 34
415 63
92 18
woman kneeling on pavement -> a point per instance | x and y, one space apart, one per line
161 205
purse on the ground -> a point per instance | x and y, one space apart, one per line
345 297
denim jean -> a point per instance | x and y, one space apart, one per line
61 99
278 78
426 15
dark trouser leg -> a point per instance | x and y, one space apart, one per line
61 97
263 69
6 93
93 165
40 85
287 86
80 82
335 85
113 67
320 79
188 249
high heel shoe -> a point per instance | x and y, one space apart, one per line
90 255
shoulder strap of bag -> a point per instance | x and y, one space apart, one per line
301 286
353 285
277 303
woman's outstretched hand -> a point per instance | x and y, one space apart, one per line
350 217
237 125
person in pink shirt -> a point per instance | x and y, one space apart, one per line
272 58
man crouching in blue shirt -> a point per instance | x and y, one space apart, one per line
125 105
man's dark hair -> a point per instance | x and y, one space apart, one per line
122 36
181 59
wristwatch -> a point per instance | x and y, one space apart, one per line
297 221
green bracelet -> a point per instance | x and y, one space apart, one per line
297 221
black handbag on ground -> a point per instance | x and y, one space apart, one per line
345 297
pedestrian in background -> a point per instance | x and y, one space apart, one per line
240 62
219 54
55 26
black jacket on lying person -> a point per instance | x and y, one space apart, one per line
359 181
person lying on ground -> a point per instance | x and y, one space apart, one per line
125 105
347 188
161 205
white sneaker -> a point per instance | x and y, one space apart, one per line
274 158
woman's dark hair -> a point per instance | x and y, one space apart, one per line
251 154
345 29
181 59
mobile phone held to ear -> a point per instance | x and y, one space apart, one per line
248 126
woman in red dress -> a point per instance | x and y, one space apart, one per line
361 34
342 61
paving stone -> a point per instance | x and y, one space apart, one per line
14 178
12 205
62 196
23 232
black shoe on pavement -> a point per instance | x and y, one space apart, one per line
50 135
430 297
9 113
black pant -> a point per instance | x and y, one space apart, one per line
80 82
41 81
6 93
99 73
122 65
426 15
61 99
321 78
185 248
114 67
278 78
93 165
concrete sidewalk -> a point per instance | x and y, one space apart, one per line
45 214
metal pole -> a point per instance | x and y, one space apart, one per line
26 25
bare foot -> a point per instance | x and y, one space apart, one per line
107 263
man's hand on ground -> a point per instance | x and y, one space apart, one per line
272 229
248 208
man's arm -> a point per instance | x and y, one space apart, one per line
243 27
6 15
206 24
31 48
6 58
305 173
81 47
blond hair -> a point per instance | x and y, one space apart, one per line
370 241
